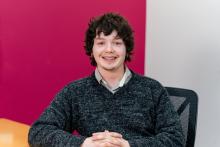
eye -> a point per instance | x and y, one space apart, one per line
100 43
118 43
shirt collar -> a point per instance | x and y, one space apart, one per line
124 80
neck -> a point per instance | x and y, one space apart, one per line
112 77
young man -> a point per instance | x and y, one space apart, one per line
114 107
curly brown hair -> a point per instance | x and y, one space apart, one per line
107 23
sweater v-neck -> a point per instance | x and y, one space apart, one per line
102 89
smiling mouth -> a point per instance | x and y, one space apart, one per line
109 58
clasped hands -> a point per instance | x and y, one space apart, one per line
105 139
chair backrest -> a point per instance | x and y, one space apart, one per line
185 102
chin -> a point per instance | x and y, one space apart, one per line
109 68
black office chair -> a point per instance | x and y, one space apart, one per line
185 102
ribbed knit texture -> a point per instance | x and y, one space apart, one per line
141 111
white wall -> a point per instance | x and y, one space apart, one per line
183 50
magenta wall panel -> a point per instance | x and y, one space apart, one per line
41 49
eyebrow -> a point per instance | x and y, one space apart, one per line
118 37
100 38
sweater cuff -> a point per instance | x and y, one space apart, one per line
77 140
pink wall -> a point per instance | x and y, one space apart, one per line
41 49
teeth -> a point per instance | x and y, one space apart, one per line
109 58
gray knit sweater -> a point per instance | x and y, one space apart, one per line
140 111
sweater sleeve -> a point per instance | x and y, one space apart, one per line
168 130
55 125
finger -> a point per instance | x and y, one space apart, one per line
103 143
103 136
97 133
99 137
115 134
107 144
109 139
114 141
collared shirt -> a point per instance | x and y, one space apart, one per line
127 76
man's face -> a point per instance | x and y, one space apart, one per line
109 52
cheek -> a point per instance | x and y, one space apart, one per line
95 53
97 50
122 53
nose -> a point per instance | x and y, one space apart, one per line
109 48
